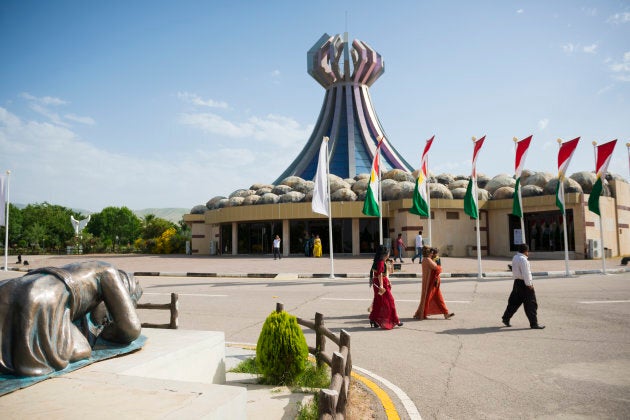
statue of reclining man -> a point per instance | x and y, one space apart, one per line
39 313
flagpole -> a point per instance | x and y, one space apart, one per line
520 199
330 235
564 222
6 227
428 201
476 198
380 196
601 226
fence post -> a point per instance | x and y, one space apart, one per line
344 340
320 338
279 306
174 311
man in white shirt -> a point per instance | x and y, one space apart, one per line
276 248
419 243
523 290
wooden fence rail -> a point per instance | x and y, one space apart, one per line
173 307
332 401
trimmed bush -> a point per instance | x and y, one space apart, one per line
281 351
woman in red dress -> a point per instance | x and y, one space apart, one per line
432 301
383 307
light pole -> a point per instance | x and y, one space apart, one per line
6 227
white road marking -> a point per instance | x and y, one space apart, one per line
588 302
397 300
185 294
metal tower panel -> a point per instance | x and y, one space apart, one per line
347 115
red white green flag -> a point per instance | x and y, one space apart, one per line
521 153
371 204
602 159
564 158
471 206
420 204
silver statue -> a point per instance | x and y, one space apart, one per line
79 225
46 313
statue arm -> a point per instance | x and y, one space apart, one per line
125 326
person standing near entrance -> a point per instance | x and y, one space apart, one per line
317 247
276 248
419 244
400 245
523 290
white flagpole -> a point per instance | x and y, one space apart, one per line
426 178
479 274
601 226
6 227
520 199
330 235
564 222
380 197
473 178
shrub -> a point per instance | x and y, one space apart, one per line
281 351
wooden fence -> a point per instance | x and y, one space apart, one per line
332 401
173 307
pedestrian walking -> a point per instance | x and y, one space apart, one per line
276 248
431 300
383 312
419 244
400 245
522 290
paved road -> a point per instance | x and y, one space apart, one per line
467 367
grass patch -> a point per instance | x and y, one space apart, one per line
309 381
246 366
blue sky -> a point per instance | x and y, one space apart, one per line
168 104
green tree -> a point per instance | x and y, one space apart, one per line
47 225
154 227
115 225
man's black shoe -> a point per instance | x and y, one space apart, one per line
506 323
537 327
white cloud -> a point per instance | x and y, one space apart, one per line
44 100
542 124
80 119
49 162
198 101
590 49
621 69
281 131
605 89
619 18
519 11
568 48
275 73
590 11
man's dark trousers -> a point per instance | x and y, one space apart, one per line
521 294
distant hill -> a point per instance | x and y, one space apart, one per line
171 214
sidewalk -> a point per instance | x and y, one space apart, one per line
303 267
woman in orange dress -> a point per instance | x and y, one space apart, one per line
431 300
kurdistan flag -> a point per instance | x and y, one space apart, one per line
371 204
564 158
471 207
521 153
420 204
602 159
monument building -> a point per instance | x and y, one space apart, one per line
247 220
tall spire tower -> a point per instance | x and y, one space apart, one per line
347 116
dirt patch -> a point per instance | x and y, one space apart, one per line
363 403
